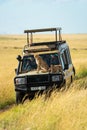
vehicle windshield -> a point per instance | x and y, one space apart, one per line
29 62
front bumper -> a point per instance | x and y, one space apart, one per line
39 83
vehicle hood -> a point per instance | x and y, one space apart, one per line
31 73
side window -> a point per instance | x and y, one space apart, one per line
68 56
62 62
64 58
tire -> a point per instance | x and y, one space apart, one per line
74 70
71 79
19 97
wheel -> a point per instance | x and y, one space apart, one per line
71 79
74 70
19 97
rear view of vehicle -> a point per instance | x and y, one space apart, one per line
42 67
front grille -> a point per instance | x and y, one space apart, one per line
38 79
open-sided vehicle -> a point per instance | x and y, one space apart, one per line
56 54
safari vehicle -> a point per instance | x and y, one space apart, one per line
55 54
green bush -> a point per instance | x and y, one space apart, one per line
82 73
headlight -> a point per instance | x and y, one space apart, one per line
55 78
19 81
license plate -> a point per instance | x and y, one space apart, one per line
38 88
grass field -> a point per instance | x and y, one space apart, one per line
63 110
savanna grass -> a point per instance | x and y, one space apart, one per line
64 110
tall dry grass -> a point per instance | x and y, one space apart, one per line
11 46
62 111
65 110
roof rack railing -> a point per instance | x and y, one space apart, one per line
30 33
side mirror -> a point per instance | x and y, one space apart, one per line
16 71
19 58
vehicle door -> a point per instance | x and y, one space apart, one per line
66 64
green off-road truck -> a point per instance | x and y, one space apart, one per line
55 54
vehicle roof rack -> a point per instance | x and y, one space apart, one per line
42 30
30 34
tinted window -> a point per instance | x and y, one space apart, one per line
51 59
64 58
29 62
68 56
